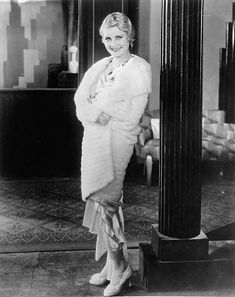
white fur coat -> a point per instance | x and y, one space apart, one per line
125 101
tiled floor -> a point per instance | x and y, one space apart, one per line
66 273
57 274
47 214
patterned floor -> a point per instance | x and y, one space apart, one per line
46 214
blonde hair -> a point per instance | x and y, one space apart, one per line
121 21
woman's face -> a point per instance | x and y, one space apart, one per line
116 42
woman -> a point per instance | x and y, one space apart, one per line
110 102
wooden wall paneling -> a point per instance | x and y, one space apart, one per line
39 133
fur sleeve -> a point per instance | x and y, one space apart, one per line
133 80
86 111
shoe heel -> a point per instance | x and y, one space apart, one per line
128 283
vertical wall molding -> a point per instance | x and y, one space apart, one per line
227 72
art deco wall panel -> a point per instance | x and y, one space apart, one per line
32 36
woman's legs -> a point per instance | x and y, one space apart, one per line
121 270
117 266
117 257
105 270
110 223
111 238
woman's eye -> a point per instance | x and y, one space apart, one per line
119 37
107 39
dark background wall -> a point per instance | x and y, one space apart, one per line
39 133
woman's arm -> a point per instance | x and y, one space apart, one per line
130 112
133 81
85 110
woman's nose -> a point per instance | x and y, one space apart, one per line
113 42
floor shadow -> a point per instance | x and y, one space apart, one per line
226 232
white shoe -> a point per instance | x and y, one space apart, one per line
98 280
112 290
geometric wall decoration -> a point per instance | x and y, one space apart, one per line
30 60
5 8
31 37
15 45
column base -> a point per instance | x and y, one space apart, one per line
174 249
215 273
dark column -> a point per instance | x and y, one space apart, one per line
227 72
222 80
181 114
178 257
230 72
180 134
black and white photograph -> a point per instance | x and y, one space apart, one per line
117 148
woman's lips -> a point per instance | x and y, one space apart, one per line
115 49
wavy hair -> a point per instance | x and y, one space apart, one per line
121 21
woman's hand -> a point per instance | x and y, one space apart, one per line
91 99
103 119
